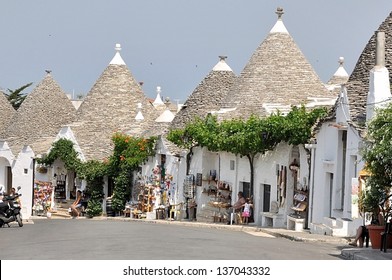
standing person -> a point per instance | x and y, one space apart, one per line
236 207
77 204
246 211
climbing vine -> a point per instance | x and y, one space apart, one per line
62 149
93 173
128 154
250 137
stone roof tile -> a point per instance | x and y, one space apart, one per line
44 111
276 73
207 96
358 83
6 113
111 106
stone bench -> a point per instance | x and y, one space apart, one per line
297 224
272 219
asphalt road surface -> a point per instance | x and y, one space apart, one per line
89 239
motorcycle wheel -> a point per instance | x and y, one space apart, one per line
19 220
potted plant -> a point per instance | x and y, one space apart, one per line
375 202
377 154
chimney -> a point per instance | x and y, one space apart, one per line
380 49
379 94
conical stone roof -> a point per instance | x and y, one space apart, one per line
38 120
358 83
208 95
6 113
277 73
339 78
111 106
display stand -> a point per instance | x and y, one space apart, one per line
59 190
221 198
42 197
145 199
296 221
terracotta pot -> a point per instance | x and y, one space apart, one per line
375 236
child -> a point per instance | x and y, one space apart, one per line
246 212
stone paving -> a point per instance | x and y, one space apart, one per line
348 252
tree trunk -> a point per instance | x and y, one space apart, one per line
251 159
188 160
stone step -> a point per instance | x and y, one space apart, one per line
320 229
60 213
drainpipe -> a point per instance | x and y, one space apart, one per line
32 197
312 148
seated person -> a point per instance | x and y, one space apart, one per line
237 206
76 205
3 205
362 233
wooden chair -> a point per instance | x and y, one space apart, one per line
238 217
127 212
175 211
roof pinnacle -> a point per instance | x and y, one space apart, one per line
117 57
279 26
279 12
222 65
341 60
222 57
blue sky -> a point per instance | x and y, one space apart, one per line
173 44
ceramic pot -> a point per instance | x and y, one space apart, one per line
375 236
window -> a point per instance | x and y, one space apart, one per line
232 165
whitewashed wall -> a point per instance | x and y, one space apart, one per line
324 163
265 173
328 160
22 175
175 166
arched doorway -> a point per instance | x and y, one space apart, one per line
5 175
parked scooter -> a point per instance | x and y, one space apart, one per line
10 209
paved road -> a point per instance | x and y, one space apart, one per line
84 239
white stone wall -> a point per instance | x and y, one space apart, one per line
175 166
22 173
325 162
328 188
265 173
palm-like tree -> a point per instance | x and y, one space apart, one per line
16 97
